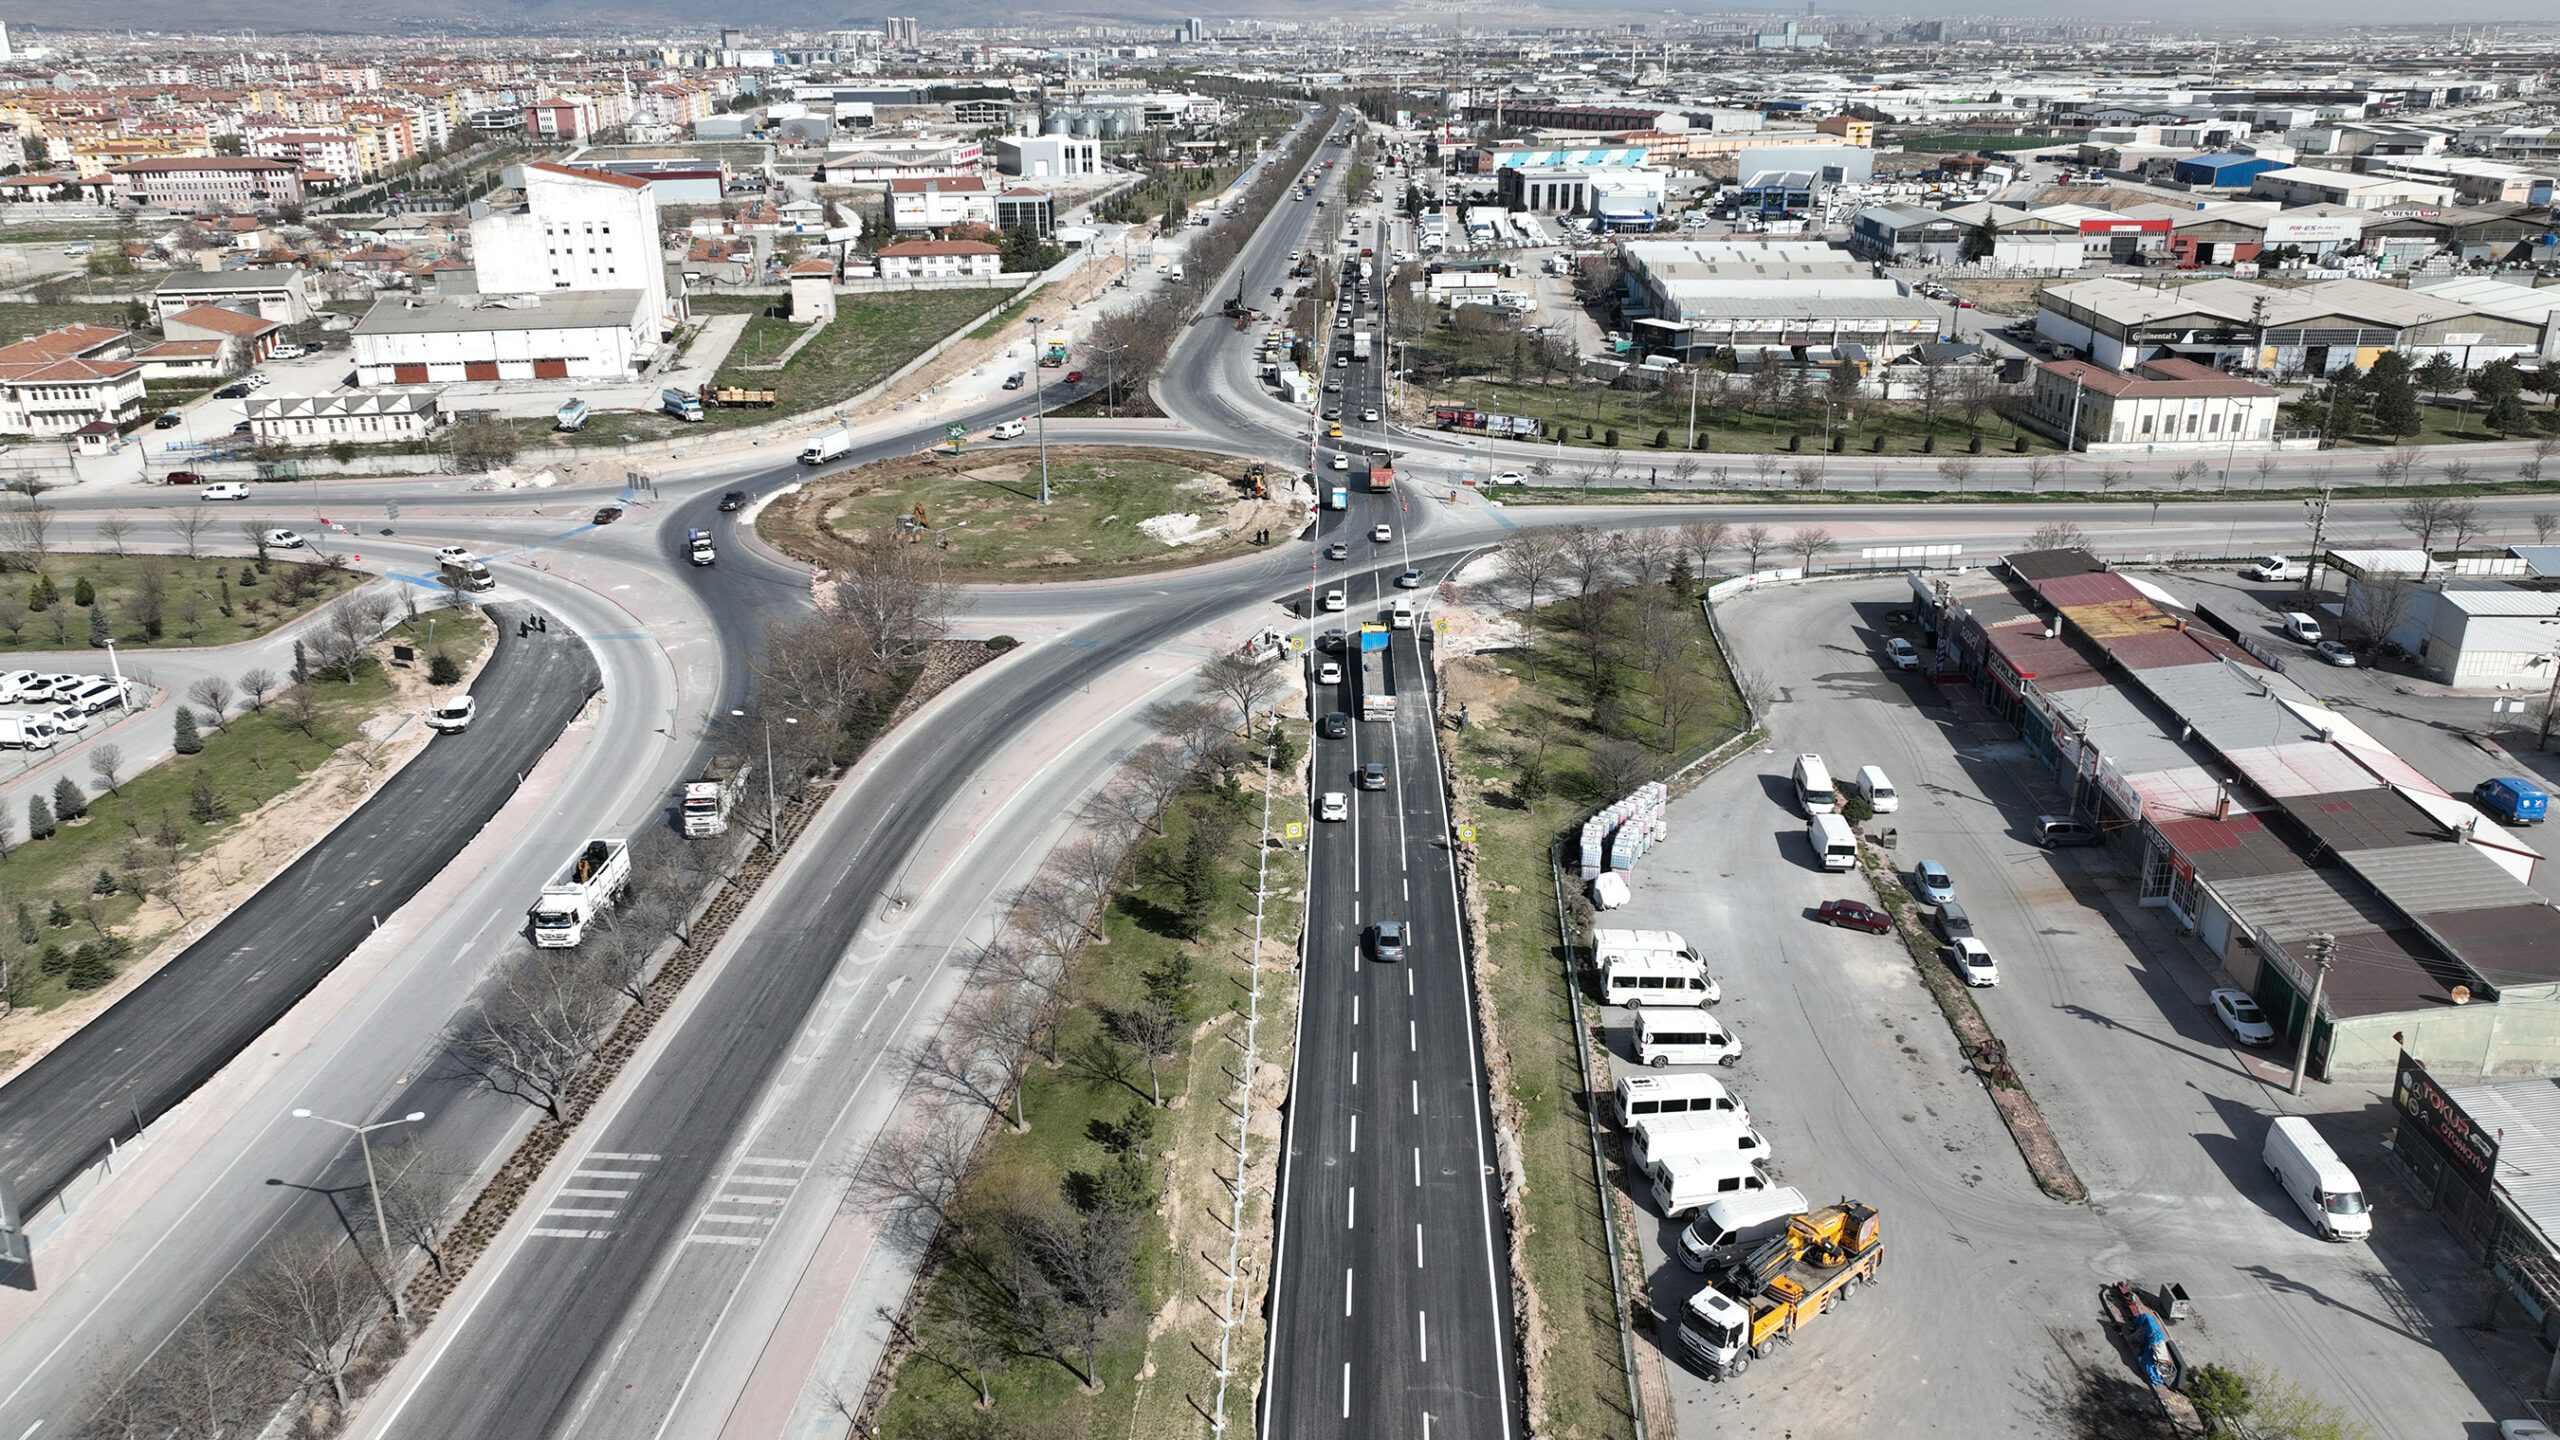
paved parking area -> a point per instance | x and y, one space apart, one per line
1853 1075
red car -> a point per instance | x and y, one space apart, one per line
185 477
1075 377
1857 915
608 515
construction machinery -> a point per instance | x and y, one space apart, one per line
1818 1261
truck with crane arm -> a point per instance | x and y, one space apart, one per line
1793 1279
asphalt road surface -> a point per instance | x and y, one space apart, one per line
151 1049
1390 1283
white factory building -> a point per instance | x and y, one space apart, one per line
563 335
576 230
1763 302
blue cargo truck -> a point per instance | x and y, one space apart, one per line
1377 673
2515 801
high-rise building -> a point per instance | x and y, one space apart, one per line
1193 32
901 33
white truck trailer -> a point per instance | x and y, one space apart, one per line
584 888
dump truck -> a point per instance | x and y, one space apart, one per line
697 547
708 801
682 404
584 889
1817 1262
736 397
572 415
1382 472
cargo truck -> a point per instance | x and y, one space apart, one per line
1382 472
1360 347
707 801
466 575
584 889
697 546
25 732
1377 673
1817 1262
736 397
572 415
682 404
827 445
1338 498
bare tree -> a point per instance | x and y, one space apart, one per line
309 1305
530 1037
2462 525
1027 967
1153 1027
2545 524
419 1184
1148 779
1239 680
954 1063
1681 698
1754 542
1088 1263
1619 766
894 595
191 526
1810 543
2057 535
2111 476
255 685
1006 1025
107 763
1704 540
1810 474
912 1177
1646 554
2395 466
253 533
1957 471
1589 560
1087 869
2377 604
26 532
209 1380
214 694
1530 560
346 629
115 530
2426 517
2039 470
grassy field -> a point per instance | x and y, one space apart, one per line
197 602
1586 413
79 893
17 322
2451 424
871 336
984 508
1155 1359
1528 768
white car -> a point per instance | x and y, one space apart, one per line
1370 414
1341 462
1510 477
256 380
284 540
2241 1016
453 715
1334 806
1973 961
1329 673
1333 600
2335 653
1903 656
454 553
1382 533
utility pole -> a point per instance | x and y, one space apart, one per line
1693 403
2319 511
381 1222
1039 406
2324 950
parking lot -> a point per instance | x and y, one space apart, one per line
1854 1077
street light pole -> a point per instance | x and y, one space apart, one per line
2324 949
117 666
381 1223
772 805
1039 408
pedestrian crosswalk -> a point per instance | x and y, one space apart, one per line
744 1206
596 1191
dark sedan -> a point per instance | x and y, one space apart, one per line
608 515
733 499
1856 915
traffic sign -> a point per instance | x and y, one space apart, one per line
1467 834
1296 830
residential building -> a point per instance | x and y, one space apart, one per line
248 338
561 120
936 204
938 259
374 417
334 153
64 380
549 335
2169 404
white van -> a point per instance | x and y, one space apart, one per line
2317 1180
1656 977
1659 1137
2302 627
1682 1183
1835 845
1006 430
1641 1095
1878 790
1734 1227
224 490
1813 786
1400 614
1609 943
1693 1038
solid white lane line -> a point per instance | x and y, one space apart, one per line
1408 981
1425 1317
1355 1009
1408 889
1417 1096
1346 1389
1351 1215
1346 1291
1412 1035
1355 1067
617 1155
1417 1167
1355 1134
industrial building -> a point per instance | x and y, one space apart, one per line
1769 302
2317 328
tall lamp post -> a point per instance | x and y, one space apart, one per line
122 705
381 1224
772 805
1039 403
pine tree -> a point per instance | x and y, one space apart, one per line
2439 375
27 932
2507 414
83 593
189 740
2395 405
70 802
99 634
39 818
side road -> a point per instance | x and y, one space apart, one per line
154 1047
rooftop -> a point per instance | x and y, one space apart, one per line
553 310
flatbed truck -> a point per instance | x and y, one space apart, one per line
1817 1262
585 887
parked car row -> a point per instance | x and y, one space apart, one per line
1686 1133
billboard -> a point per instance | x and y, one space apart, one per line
2470 1150
2314 229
